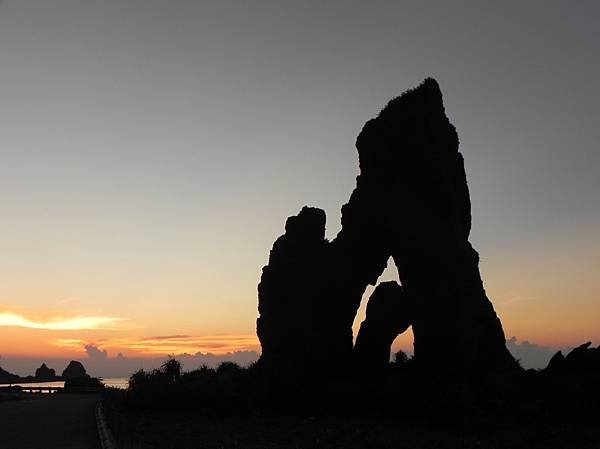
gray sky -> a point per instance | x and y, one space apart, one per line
151 150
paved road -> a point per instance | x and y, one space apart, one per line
49 421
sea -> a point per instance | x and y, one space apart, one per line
115 382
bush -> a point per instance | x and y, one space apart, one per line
225 390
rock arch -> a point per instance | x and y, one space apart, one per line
411 203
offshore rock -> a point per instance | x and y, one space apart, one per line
45 373
74 369
7 378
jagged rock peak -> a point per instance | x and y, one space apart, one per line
427 93
310 223
74 369
43 372
412 130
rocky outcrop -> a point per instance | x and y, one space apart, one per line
582 359
412 194
292 325
45 373
389 313
74 369
7 378
411 203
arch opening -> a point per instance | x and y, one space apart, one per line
403 342
389 274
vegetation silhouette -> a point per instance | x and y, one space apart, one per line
555 407
222 391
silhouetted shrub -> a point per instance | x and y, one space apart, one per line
400 358
171 369
225 390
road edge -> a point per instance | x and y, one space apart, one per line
104 434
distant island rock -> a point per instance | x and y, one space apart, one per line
43 373
74 369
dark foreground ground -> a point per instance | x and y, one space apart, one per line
403 407
186 430
48 421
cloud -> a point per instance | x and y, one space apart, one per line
517 299
168 344
72 343
150 352
530 355
178 344
94 352
61 323
65 301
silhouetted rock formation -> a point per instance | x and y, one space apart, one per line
411 203
292 326
409 158
389 313
45 373
74 369
7 378
582 359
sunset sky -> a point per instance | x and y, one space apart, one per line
152 150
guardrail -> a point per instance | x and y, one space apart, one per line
104 434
